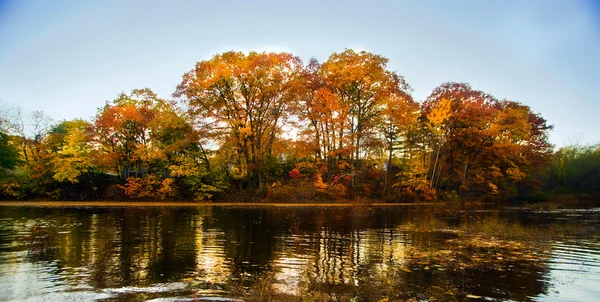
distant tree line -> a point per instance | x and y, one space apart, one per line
574 169
267 125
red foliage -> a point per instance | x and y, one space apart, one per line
294 174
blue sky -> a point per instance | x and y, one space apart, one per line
67 58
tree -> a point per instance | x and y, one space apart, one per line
72 150
399 113
520 147
249 97
362 82
122 130
326 118
28 130
575 169
479 144
9 156
458 116
148 141
27 133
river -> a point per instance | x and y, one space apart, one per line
351 253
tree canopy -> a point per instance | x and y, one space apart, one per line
263 124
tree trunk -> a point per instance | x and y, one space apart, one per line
262 184
464 178
435 165
356 156
388 172
205 157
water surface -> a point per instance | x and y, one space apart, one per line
253 253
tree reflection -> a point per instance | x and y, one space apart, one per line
342 250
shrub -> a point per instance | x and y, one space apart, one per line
149 187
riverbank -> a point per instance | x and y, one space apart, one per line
199 204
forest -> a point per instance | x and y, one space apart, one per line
250 126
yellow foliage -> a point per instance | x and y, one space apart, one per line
495 172
306 168
185 167
343 165
237 173
319 181
440 113
245 131
511 124
337 189
167 188
515 174
493 188
147 153
149 187
74 157
12 189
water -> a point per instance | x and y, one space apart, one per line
253 253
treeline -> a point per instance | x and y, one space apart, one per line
267 125
575 170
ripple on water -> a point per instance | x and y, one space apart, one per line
156 288
71 296
574 271
124 254
202 299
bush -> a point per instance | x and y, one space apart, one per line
149 187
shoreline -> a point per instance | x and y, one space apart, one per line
199 204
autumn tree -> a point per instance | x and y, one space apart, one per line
152 146
521 148
399 113
458 116
239 113
362 83
311 109
122 132
479 143
249 97
70 142
324 119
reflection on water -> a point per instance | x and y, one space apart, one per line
148 253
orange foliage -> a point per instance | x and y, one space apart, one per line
149 187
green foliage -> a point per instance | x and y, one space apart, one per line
9 155
196 180
575 169
15 185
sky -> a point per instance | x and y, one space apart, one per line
67 58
